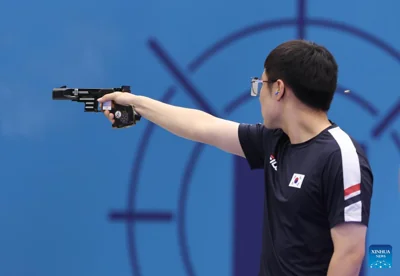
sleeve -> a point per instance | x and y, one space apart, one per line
347 187
252 137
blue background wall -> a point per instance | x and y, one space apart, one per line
78 198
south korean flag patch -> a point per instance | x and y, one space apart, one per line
297 180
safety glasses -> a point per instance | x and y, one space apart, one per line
256 85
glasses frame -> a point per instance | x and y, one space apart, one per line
254 85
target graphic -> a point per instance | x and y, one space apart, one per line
247 201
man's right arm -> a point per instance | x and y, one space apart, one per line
191 124
245 140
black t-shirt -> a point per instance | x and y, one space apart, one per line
309 188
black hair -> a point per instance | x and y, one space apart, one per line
309 69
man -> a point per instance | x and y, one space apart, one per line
318 181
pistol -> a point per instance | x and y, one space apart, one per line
124 116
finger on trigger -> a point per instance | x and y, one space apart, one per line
106 98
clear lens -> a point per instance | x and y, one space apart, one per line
256 85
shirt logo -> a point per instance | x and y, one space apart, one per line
273 162
297 180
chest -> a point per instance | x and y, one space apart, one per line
293 178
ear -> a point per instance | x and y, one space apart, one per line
280 89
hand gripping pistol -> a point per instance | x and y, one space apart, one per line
124 116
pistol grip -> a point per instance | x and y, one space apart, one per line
124 115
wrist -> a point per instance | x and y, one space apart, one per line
134 100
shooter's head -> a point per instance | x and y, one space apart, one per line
297 74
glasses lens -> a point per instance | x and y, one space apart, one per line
255 87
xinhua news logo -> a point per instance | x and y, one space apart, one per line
380 256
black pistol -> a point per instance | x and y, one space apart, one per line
124 116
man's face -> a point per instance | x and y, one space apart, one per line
270 106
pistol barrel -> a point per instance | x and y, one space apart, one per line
62 94
58 95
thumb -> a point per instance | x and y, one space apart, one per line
107 97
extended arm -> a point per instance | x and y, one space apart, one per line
191 124
188 123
